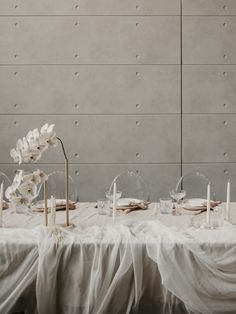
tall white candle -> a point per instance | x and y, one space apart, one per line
52 211
208 203
114 202
227 214
1 203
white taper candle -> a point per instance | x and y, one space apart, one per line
227 214
208 203
52 211
114 202
1 203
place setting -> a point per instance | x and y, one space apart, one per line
201 213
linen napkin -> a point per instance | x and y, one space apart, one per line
200 209
142 205
60 205
5 205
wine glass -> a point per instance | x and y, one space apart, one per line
109 195
177 197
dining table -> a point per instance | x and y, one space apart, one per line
143 262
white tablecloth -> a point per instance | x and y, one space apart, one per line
143 263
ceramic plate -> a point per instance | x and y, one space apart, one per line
125 202
194 203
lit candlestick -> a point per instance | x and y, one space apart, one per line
52 211
227 214
114 202
208 203
1 203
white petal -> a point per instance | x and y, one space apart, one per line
52 140
20 173
36 134
50 128
27 177
16 155
19 144
31 156
13 153
21 200
41 174
17 179
26 158
29 136
28 189
43 147
44 128
25 144
9 192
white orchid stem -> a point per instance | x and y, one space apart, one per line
66 182
63 148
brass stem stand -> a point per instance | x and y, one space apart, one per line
66 183
66 190
45 191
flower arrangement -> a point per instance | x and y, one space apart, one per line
31 147
24 188
28 150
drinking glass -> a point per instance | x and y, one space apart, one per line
102 205
109 196
217 216
177 196
166 205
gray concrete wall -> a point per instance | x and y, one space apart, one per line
121 79
209 94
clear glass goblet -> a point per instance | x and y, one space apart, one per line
177 197
109 195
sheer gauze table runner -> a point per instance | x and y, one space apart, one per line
143 263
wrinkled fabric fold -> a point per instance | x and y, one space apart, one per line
119 268
200 271
93 273
18 265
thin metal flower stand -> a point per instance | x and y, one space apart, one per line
66 183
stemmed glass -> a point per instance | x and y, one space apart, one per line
177 196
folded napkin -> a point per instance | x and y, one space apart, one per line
60 205
5 205
199 209
142 205
212 203
185 211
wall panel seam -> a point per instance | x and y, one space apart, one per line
181 87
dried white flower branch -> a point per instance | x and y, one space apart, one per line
24 188
29 149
